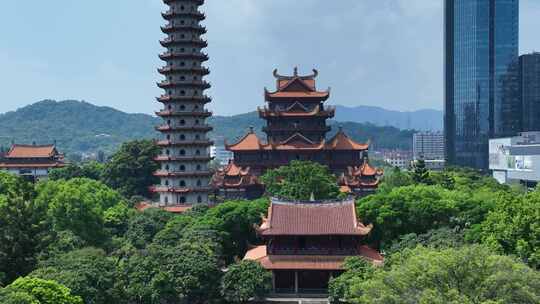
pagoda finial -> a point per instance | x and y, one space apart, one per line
251 129
295 71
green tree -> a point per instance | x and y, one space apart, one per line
131 168
143 226
420 174
37 291
301 180
513 227
79 205
15 186
395 178
92 170
411 209
88 272
356 270
24 232
245 280
463 275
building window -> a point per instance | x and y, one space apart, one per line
182 152
198 167
182 122
182 92
197 137
182 137
182 200
182 107
182 168
166 200
199 199
166 183
167 152
182 183
196 121
198 152
199 183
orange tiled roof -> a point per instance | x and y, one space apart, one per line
31 151
298 142
233 176
343 142
337 218
307 262
296 87
249 142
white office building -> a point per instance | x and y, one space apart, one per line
516 159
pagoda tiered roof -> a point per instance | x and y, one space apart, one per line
296 87
233 176
312 218
364 176
297 110
251 142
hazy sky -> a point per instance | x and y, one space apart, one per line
372 52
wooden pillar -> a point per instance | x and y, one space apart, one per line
296 281
273 281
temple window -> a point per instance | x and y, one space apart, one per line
198 152
182 152
182 137
199 183
182 92
182 200
182 122
166 200
182 107
199 199
198 167
166 182
182 168
182 183
196 121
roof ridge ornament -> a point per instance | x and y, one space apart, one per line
295 75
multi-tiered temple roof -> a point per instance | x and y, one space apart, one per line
308 242
296 129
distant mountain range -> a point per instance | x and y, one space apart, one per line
79 127
424 120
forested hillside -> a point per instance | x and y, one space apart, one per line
79 127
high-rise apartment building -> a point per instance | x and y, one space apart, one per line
481 77
428 146
530 91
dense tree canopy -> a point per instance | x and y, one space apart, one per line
131 168
513 227
245 280
88 272
24 232
470 274
37 291
301 180
92 170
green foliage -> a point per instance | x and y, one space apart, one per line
301 180
420 174
245 280
513 227
440 238
37 291
88 272
411 209
24 232
356 270
15 186
131 168
47 121
464 275
393 179
92 170
143 226
79 205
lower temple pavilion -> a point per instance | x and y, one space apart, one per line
308 242
296 129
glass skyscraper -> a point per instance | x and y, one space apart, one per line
481 77
530 91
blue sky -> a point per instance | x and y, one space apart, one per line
374 52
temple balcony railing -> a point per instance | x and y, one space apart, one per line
184 98
169 41
172 55
298 128
312 251
169 14
197 70
169 28
167 113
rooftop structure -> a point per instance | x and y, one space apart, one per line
308 242
295 129
184 172
31 161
